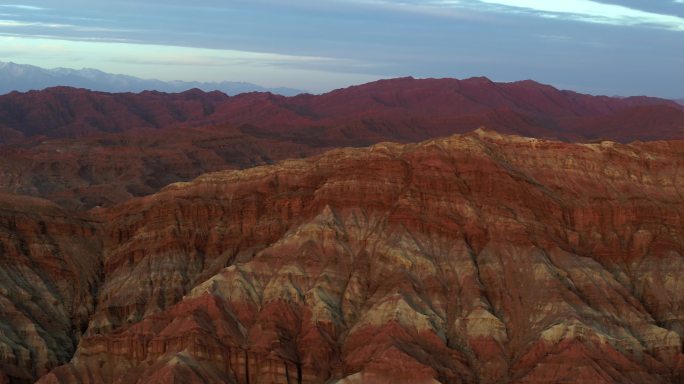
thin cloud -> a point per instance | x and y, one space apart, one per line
8 23
429 8
63 38
587 11
223 57
17 23
23 7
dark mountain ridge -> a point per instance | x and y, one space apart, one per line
411 108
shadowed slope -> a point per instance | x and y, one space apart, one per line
50 263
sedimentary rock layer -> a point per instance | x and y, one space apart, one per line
478 258
50 263
82 149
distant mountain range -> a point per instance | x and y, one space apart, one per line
680 101
403 109
83 149
22 77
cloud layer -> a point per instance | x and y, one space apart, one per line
594 12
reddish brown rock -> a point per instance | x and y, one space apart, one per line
63 112
49 272
403 109
107 169
475 258
82 149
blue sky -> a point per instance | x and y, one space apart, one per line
614 47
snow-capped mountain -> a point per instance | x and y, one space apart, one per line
22 77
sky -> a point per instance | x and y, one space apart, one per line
611 47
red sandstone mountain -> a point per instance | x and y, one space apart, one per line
478 258
398 109
70 112
96 148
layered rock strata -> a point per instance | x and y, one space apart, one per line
50 266
478 258
83 149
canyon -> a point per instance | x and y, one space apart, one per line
375 234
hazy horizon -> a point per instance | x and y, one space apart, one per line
611 47
275 88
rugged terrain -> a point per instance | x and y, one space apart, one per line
50 265
478 258
475 258
402 109
82 149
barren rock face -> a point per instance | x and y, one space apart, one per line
478 258
107 169
61 112
401 109
84 149
49 271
